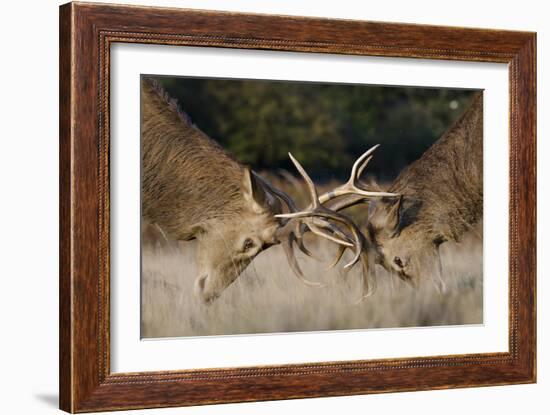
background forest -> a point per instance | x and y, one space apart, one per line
325 126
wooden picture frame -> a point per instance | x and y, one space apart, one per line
86 33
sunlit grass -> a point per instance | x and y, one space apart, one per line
267 297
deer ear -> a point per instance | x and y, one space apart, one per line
385 215
393 216
254 192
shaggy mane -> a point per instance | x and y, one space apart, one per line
172 103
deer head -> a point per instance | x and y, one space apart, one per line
229 242
403 244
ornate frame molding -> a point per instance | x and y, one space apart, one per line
86 33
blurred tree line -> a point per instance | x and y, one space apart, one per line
325 126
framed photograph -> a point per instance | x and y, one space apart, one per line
259 207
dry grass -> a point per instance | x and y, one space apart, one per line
268 298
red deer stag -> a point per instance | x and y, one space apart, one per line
441 198
192 189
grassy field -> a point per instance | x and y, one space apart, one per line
267 297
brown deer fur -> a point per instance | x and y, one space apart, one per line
192 189
442 198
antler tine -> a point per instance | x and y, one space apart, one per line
350 187
361 169
293 262
318 230
302 247
328 226
337 257
325 213
321 229
359 166
324 229
309 183
367 290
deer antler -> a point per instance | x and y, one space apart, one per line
351 186
317 209
317 218
355 195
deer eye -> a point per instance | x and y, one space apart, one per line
248 244
397 261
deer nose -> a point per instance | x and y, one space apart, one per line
205 297
200 282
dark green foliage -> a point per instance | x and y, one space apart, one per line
326 126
